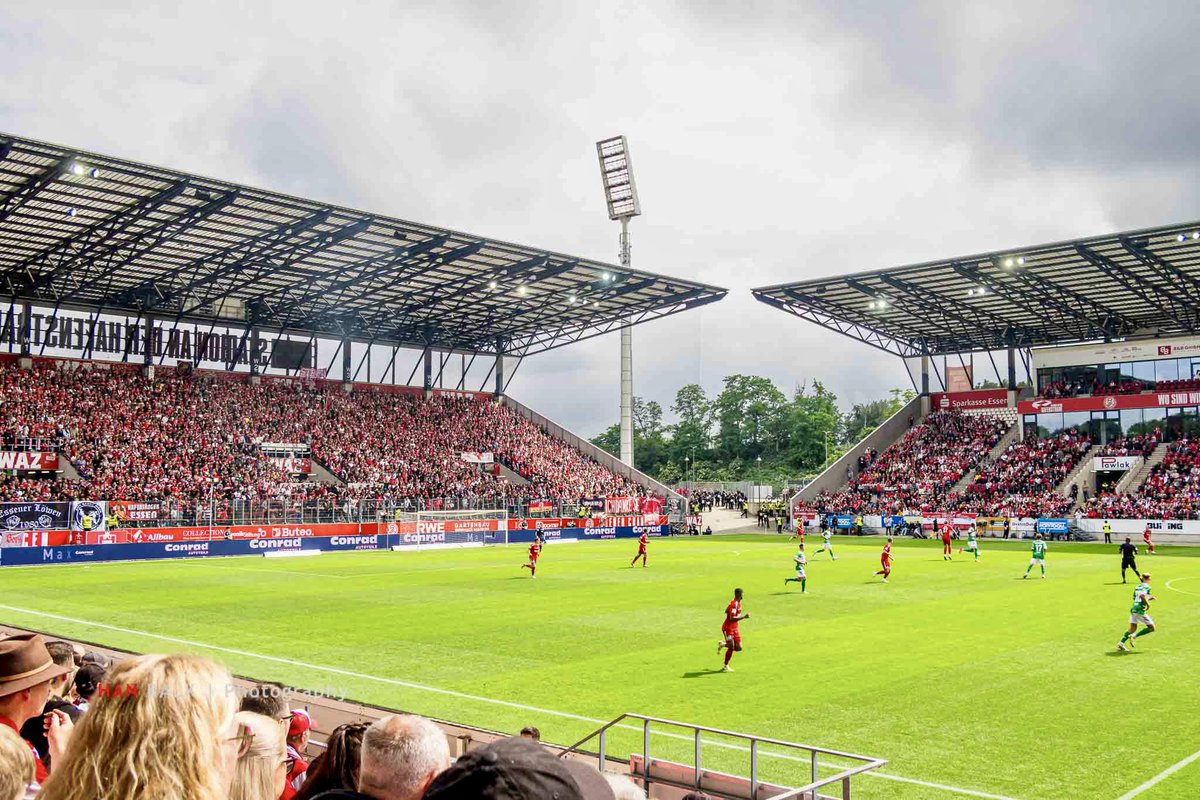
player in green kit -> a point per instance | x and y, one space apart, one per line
800 578
827 545
972 543
1140 612
1039 555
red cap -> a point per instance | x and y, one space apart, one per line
301 721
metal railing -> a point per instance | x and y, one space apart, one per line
808 791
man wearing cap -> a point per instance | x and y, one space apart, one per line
518 769
297 741
26 670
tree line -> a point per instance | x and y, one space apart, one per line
751 431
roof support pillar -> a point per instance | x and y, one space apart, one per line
255 352
346 363
427 382
1012 369
499 390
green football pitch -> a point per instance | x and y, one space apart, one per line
969 679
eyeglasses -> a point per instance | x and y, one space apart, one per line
244 738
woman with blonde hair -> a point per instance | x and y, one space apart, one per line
262 766
161 727
17 771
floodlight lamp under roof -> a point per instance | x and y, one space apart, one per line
616 172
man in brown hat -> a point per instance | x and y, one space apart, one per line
26 670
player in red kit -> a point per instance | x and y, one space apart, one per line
643 540
885 559
535 550
731 638
947 550
1146 539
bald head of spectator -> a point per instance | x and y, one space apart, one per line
401 755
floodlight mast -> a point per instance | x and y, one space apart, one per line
620 193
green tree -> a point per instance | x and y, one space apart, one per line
692 433
814 419
866 417
748 413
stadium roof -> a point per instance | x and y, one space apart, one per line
1135 284
83 230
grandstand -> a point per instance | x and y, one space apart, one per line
1103 424
214 352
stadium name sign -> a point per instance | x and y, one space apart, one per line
963 401
69 335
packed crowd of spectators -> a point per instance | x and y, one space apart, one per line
1140 444
1170 491
191 441
176 726
918 471
1022 481
1057 389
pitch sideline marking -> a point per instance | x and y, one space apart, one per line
477 698
1166 773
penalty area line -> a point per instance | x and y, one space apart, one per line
487 700
1166 773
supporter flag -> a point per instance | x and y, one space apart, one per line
542 506
89 515
472 457
312 373
652 505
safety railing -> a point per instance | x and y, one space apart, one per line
700 778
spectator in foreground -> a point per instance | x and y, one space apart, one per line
26 673
518 769
337 767
34 731
87 679
262 767
270 700
530 732
401 755
179 740
16 766
297 743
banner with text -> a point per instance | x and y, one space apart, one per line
21 461
33 516
964 401
1109 402
1115 463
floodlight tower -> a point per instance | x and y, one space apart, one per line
620 192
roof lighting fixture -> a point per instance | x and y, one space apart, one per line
1008 263
606 277
94 172
871 305
1195 235
492 285
76 168
521 290
595 304
1181 237
1021 260
70 212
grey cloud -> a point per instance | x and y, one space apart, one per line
772 141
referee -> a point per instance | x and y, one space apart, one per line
1128 552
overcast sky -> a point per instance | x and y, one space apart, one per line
772 141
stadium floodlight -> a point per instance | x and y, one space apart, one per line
620 194
70 212
1021 260
521 290
1196 235
94 172
76 168
492 285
